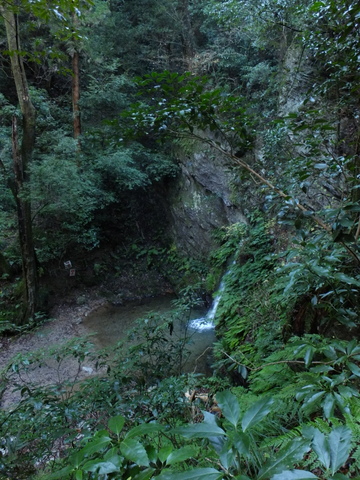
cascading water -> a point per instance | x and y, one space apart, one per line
207 322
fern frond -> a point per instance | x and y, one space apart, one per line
282 440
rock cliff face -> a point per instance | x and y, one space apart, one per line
200 200
208 194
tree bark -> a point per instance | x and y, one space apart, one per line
21 159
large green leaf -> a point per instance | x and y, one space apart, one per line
180 455
285 458
320 446
200 430
134 451
229 405
101 468
339 445
196 474
293 475
256 413
116 424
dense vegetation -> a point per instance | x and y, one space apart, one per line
99 102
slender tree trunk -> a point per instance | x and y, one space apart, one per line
23 207
76 96
76 88
21 158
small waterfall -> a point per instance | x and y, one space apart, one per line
207 322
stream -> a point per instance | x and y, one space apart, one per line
110 324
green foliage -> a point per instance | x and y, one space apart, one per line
46 419
184 106
333 41
233 444
248 318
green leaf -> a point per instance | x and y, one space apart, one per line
200 430
116 424
340 476
209 418
339 444
196 474
145 474
328 405
321 448
308 356
346 279
134 451
256 413
354 368
242 443
165 452
321 369
101 468
144 429
287 456
312 399
229 405
79 475
180 455
60 474
95 445
113 456
293 475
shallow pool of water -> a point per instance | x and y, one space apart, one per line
110 324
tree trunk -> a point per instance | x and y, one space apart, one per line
76 87
188 40
21 158
76 96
